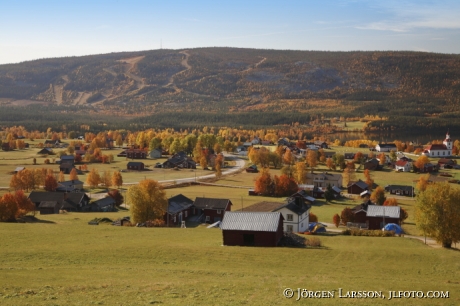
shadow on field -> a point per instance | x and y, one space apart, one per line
33 219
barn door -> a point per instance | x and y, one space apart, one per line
248 239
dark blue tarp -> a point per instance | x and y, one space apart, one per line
316 227
393 227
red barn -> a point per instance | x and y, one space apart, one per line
378 216
252 228
211 210
357 187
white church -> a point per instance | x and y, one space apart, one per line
440 150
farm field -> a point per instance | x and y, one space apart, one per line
107 265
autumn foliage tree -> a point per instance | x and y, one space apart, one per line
422 183
437 213
312 159
73 175
50 183
285 186
390 202
15 205
117 196
147 201
300 173
93 179
330 164
218 165
117 179
369 181
347 215
106 178
378 196
312 217
8 208
264 183
421 161
336 220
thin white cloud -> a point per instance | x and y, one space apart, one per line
410 15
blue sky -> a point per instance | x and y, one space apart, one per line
40 29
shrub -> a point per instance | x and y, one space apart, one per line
368 233
313 242
156 223
47 161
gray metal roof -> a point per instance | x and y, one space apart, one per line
380 211
336 189
251 221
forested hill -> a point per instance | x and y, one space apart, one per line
242 80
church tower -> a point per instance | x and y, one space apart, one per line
448 142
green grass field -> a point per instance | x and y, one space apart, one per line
64 261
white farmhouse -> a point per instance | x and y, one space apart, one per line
403 165
296 216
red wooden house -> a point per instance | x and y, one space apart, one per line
211 210
357 187
252 228
136 154
179 209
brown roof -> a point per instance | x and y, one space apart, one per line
263 206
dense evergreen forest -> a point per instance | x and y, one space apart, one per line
231 86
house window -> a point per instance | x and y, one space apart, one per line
290 217
174 220
289 228
219 212
186 213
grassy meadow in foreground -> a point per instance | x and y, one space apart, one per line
63 261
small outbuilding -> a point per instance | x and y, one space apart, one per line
135 166
357 187
263 229
49 207
155 153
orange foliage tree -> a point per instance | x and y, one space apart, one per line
369 181
336 220
50 183
347 215
15 205
312 217
264 183
73 175
285 186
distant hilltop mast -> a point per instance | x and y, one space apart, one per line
161 44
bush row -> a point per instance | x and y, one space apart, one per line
369 233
